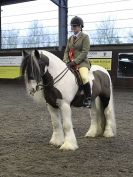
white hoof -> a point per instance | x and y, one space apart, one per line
90 134
109 133
93 133
57 140
69 146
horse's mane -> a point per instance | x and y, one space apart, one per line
52 57
56 65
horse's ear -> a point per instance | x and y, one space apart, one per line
37 54
24 53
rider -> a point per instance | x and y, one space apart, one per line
75 55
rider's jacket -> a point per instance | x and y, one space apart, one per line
77 50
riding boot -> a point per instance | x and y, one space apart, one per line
87 91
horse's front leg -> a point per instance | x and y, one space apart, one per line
70 142
57 138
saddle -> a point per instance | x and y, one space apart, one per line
76 73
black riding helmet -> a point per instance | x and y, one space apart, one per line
77 21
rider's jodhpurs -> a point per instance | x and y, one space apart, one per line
84 72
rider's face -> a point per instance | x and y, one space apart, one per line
76 29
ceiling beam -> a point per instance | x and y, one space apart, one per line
63 13
9 2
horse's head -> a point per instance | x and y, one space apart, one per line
31 71
34 65
30 67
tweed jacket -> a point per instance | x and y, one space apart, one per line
81 48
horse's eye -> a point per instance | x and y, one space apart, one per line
41 63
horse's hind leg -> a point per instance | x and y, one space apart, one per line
110 128
58 134
97 119
70 142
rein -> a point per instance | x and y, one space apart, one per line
56 79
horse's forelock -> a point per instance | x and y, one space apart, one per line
35 67
35 61
31 67
24 64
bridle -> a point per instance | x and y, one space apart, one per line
56 79
40 86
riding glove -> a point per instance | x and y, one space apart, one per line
71 64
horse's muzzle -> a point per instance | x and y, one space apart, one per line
32 91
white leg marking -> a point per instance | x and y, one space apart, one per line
96 112
70 142
58 134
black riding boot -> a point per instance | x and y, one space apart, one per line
87 91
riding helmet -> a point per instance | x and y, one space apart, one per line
77 21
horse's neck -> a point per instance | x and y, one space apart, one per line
56 65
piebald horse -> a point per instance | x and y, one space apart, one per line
48 80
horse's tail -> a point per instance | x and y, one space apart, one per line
111 97
110 111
